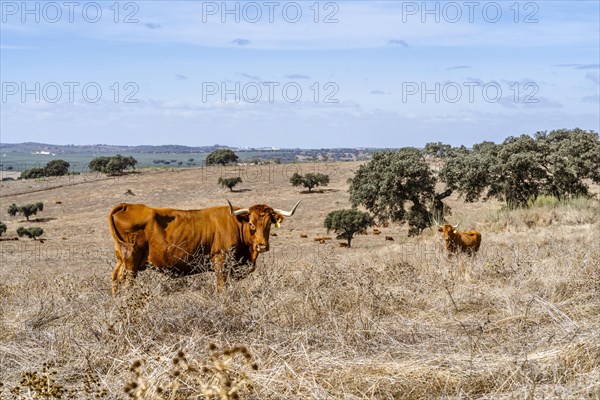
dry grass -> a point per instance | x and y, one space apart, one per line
382 320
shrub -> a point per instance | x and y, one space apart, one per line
347 223
32 232
230 182
27 210
309 180
115 165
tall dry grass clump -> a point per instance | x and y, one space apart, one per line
546 211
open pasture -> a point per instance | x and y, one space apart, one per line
383 319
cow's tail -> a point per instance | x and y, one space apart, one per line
113 229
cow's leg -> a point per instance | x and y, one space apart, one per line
135 264
130 275
129 260
118 275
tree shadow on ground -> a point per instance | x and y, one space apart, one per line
240 190
319 191
36 220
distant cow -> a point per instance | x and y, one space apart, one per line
389 238
342 244
303 235
322 239
456 241
178 240
376 231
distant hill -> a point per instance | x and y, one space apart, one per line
31 147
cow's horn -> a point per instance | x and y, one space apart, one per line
236 212
456 226
288 213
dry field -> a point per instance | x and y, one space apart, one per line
382 320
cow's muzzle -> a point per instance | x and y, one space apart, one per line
261 248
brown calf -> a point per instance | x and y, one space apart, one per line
456 241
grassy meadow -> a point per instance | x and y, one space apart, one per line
381 320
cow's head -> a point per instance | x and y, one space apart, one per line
258 219
450 232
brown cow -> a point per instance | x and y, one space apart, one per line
456 241
391 238
178 241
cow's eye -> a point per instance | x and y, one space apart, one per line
252 227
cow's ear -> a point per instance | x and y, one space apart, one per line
440 229
245 217
276 219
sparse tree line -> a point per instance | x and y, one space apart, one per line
190 162
110 165
27 211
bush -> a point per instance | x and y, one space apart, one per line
114 165
2 228
347 223
309 180
52 168
27 210
31 233
33 173
543 201
230 182
57 168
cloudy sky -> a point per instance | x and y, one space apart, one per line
296 74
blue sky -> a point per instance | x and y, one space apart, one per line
352 74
